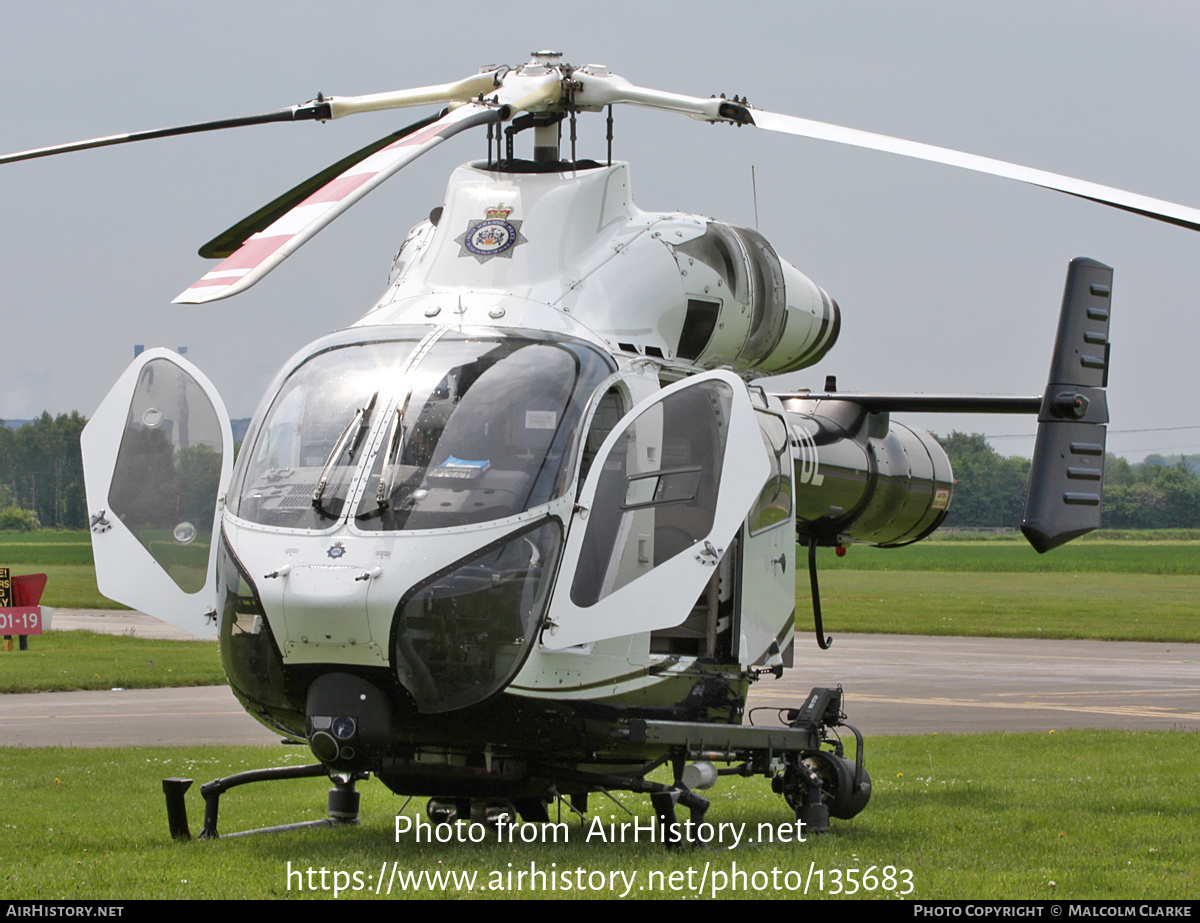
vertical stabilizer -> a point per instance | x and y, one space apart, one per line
1066 478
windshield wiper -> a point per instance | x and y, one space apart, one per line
363 425
358 426
387 472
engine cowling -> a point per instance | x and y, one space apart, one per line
862 478
763 313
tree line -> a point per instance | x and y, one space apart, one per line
41 474
989 490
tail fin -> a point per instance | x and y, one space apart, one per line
1067 475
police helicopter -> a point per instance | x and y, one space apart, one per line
527 530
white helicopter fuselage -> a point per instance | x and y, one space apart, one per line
587 262
568 254
528 527
532 480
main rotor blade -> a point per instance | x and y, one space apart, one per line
320 109
307 112
225 243
1159 209
597 89
268 248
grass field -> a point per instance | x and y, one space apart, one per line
46 547
1102 590
65 557
60 661
70 586
1162 558
1105 589
1074 814
1099 606
982 816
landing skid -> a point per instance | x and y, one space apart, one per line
816 783
343 800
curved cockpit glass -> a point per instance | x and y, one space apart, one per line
431 431
301 467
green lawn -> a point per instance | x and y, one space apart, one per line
1100 606
65 557
1078 814
46 547
1020 816
1103 590
69 586
60 661
1163 558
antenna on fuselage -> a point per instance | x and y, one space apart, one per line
754 193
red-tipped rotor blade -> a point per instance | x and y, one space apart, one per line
268 248
225 243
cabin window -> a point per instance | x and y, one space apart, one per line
484 433
608 413
462 635
303 462
475 426
657 492
774 504
168 470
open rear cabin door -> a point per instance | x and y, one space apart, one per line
157 456
670 488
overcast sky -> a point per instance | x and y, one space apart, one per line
948 281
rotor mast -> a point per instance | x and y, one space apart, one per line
546 134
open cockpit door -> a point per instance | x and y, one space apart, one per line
157 456
669 489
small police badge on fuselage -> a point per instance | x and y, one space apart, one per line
491 236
